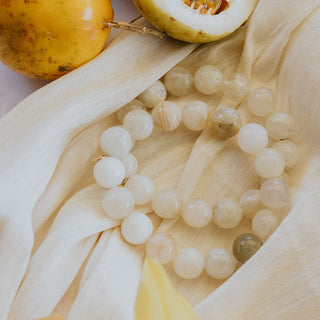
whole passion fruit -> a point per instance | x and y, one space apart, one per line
46 39
196 20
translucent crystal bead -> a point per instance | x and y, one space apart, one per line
220 263
252 138
197 213
131 164
116 142
264 223
226 122
251 202
179 81
237 88
166 203
142 188
118 203
261 101
195 114
139 124
280 126
208 79
289 151
189 263
275 193
162 247
154 94
245 246
135 104
227 213
109 172
284 177
167 116
136 228
269 163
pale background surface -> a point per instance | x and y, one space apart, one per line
15 87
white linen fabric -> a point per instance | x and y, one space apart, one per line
59 252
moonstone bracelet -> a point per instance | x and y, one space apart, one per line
117 169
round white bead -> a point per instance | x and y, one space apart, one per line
118 203
162 247
289 151
195 114
139 124
208 79
135 104
269 163
109 172
284 177
261 101
275 193
189 263
141 187
227 213
154 94
250 202
252 138
197 213
167 116
220 264
280 126
264 223
166 203
179 81
136 228
116 142
131 164
237 88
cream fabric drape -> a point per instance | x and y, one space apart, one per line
58 250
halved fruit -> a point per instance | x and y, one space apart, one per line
196 20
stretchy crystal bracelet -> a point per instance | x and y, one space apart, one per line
117 169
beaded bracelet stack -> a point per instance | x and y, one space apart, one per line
117 169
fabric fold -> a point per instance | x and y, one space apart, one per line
59 258
110 291
38 129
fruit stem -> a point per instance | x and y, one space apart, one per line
135 28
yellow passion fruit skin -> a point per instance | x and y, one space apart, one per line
47 38
181 30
